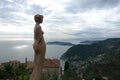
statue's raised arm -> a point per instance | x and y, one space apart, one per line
39 47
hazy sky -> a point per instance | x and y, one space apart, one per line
63 19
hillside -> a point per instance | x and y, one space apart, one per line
60 43
82 52
99 59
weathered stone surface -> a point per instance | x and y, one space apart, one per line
39 47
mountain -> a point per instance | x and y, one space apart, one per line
60 43
82 52
97 60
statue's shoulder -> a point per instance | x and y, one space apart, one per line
37 27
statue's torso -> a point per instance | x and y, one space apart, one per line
39 39
38 33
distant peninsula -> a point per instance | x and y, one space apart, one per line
60 43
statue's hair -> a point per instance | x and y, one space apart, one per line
38 18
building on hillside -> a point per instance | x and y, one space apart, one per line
50 66
30 64
14 63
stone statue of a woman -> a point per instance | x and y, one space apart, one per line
39 47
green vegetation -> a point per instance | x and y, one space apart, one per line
99 60
69 73
8 71
109 67
50 76
83 52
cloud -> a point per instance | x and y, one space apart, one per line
65 19
14 21
34 9
13 12
80 6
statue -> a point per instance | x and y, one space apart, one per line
39 47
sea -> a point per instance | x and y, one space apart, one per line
20 49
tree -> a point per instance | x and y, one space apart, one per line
66 67
69 73
9 71
2 74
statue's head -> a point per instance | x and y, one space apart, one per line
38 18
